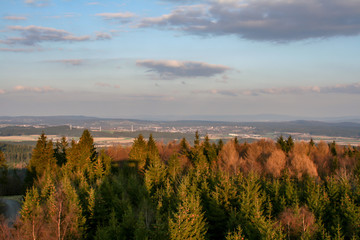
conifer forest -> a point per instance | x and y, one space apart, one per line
188 190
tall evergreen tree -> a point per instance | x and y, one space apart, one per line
81 155
155 175
138 152
197 139
184 147
188 222
289 144
209 150
42 157
60 151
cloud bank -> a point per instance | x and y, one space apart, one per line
45 89
172 69
264 20
37 3
73 62
18 50
32 35
116 16
15 18
336 89
106 85
103 36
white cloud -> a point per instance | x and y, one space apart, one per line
103 36
37 3
116 16
15 18
264 20
73 62
45 89
336 89
171 69
15 50
32 35
106 85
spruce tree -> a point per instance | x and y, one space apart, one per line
42 157
155 175
86 146
188 222
60 151
209 151
184 147
282 143
174 167
82 155
151 147
235 235
197 139
289 144
138 152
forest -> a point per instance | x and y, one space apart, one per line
181 190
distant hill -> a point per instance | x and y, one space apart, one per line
81 120
74 125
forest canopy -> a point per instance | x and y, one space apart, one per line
178 190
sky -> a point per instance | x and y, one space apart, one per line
180 58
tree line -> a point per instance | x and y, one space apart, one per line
178 190
16 154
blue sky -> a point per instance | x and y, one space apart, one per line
180 58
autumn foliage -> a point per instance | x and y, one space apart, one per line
178 190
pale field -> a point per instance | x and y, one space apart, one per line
34 138
23 138
102 140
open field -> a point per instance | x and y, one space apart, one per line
102 141
22 138
108 141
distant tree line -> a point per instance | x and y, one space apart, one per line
16 153
204 190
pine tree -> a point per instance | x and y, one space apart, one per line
151 147
86 146
82 155
184 147
282 143
197 139
209 150
290 144
235 235
111 231
60 151
248 211
42 157
138 152
174 167
188 222
155 175
350 215
31 215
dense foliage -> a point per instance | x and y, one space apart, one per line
262 190
16 154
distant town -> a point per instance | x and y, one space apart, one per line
122 131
